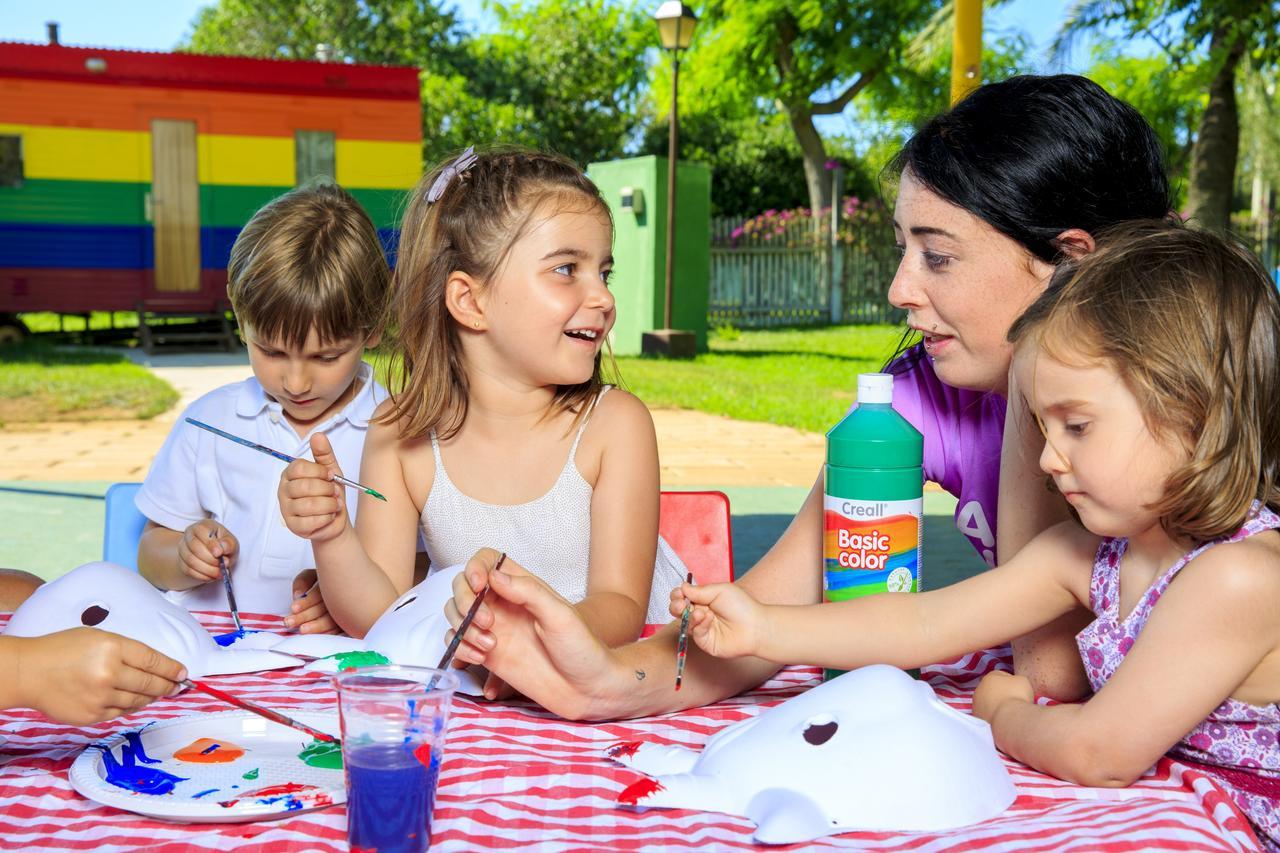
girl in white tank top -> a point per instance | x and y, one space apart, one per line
502 309
549 535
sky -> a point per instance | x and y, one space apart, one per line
161 24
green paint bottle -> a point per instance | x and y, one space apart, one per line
873 499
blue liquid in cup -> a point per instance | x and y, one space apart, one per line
390 794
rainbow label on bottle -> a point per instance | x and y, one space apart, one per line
870 547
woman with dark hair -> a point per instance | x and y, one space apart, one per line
991 195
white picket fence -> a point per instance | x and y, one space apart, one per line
790 275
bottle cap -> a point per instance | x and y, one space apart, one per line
875 388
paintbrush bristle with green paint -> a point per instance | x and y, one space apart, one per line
282 456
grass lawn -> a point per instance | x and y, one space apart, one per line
801 377
42 383
47 321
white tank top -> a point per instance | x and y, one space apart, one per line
550 535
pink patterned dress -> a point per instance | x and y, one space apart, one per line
1239 744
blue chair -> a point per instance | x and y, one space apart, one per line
123 525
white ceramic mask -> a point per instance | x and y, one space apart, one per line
411 632
113 598
871 750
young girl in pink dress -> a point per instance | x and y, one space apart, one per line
1153 368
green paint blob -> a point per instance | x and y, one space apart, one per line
327 756
252 774
355 660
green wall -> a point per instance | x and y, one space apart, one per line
639 248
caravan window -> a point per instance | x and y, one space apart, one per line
10 161
313 155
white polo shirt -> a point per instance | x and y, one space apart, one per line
200 475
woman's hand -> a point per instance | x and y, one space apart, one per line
725 621
312 503
308 612
999 687
530 638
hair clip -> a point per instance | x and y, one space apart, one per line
464 161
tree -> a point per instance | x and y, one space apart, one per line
574 71
803 57
753 158
541 81
913 91
1218 34
391 32
1171 99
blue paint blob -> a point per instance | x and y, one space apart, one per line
291 803
228 639
128 774
203 793
390 795
135 746
210 748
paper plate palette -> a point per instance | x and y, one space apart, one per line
227 767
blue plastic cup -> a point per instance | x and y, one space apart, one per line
394 720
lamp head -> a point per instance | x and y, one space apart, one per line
675 24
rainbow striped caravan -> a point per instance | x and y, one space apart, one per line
126 176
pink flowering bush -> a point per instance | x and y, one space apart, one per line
863 224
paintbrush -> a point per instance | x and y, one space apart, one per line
285 457
273 716
682 644
226 584
464 625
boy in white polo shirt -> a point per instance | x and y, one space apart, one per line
308 282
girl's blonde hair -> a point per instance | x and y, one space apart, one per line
1191 322
308 259
470 228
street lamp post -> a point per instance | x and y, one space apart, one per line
676 22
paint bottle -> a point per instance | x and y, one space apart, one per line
873 499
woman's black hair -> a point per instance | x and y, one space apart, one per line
1034 156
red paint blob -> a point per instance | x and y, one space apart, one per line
423 754
209 751
286 788
625 749
318 798
637 791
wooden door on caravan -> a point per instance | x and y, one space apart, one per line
175 206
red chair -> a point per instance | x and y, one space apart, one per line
697 527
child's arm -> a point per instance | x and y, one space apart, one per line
176 550
1048 578
624 520
83 675
360 575
1026 507
1204 641
173 559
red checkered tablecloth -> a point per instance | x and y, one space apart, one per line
516 776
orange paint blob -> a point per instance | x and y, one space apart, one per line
209 751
